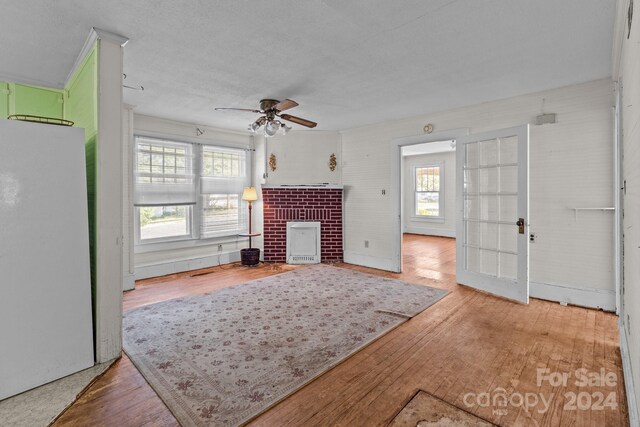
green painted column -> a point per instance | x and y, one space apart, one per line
4 100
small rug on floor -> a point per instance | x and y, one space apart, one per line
425 410
223 358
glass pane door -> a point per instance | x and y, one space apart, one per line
492 193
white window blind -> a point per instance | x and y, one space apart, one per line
163 173
223 177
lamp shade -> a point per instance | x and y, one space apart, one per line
250 194
253 127
272 127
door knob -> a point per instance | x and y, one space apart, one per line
520 225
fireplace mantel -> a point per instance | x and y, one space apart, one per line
303 186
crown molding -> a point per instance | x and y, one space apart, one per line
112 37
94 35
10 78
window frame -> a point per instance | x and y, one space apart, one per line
194 238
141 242
441 192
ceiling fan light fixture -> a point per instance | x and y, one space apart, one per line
269 110
253 127
272 127
285 129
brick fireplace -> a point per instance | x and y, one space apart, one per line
282 204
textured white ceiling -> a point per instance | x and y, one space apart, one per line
348 63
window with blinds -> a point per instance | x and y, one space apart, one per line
428 191
164 173
188 191
224 176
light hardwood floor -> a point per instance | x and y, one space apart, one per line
467 344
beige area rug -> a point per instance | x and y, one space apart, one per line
223 358
42 405
425 410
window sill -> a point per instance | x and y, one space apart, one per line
142 248
435 219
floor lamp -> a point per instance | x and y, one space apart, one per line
250 256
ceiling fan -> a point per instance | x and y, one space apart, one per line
272 108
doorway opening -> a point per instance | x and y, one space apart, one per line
427 208
428 197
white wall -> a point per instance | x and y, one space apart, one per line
626 70
571 166
194 254
302 158
432 227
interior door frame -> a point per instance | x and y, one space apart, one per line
618 199
396 184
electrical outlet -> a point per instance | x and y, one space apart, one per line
219 248
384 191
366 243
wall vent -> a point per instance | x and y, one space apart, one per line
302 259
546 119
303 242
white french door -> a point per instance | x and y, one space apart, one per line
492 180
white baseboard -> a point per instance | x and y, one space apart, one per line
441 232
385 264
627 369
171 267
592 298
128 282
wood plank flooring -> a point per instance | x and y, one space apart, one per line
461 348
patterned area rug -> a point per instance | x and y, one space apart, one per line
223 358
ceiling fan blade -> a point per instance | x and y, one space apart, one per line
238 109
298 120
285 105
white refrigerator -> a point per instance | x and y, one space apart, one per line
45 287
